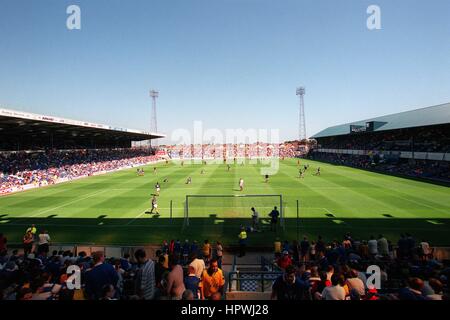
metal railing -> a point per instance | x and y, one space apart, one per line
269 265
260 277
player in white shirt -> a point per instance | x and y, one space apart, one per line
241 184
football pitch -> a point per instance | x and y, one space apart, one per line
114 208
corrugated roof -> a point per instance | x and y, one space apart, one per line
429 116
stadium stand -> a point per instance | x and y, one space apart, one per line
230 151
38 150
414 144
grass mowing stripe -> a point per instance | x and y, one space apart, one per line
90 195
346 192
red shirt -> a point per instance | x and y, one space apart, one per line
284 262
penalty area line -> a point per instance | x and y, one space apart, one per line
137 217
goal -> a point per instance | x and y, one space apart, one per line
232 206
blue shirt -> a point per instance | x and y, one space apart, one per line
98 277
191 283
274 215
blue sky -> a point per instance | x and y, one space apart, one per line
229 63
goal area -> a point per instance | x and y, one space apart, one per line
232 206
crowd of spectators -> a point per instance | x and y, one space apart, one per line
18 169
230 151
428 169
185 270
311 270
315 270
421 139
41 168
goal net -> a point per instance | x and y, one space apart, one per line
236 207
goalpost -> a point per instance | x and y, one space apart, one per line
232 206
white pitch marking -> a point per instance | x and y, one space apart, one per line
67 203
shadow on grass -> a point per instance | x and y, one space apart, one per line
156 227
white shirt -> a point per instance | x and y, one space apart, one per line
241 182
199 266
383 246
425 248
44 238
373 246
333 293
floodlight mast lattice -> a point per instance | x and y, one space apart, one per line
153 123
302 122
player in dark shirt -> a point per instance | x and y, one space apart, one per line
274 214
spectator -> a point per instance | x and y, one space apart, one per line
32 229
160 271
284 261
44 290
28 243
425 249
187 295
216 296
175 281
315 280
411 244
194 247
185 251
304 249
99 276
177 249
197 264
242 242
383 246
437 287
356 284
219 253
402 247
312 251
413 291
277 246
108 292
336 291
373 246
145 277
212 281
44 242
206 250
125 262
320 245
364 250
330 272
295 250
289 287
191 282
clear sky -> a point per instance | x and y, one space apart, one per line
228 63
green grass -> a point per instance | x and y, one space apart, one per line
111 209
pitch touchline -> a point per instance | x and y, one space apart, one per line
138 216
209 226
